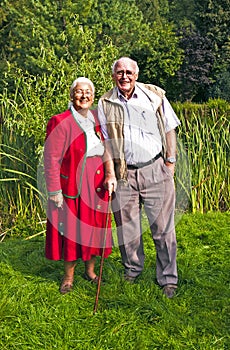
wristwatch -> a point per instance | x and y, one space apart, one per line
171 160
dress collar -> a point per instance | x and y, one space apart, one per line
79 117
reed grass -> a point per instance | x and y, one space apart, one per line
20 197
206 142
202 174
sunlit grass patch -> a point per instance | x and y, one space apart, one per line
35 315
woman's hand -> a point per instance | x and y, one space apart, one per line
57 199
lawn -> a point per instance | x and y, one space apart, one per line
34 315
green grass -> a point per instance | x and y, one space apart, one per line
35 316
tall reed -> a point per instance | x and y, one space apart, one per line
205 136
20 198
202 176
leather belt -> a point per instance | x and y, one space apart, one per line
142 165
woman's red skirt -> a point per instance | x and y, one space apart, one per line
78 230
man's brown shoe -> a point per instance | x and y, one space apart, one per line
169 290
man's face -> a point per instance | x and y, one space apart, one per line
125 77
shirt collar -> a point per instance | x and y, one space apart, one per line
122 97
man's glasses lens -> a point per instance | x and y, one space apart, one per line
120 73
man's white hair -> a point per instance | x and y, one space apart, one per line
125 59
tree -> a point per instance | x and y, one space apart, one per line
37 35
212 19
153 10
159 57
153 44
31 27
182 13
193 79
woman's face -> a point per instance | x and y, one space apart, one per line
82 96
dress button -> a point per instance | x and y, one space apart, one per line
98 172
98 206
98 189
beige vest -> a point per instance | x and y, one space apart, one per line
114 113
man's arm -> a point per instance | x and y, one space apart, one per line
110 181
171 149
171 123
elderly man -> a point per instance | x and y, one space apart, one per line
139 125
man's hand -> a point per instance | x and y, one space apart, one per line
57 199
171 167
110 183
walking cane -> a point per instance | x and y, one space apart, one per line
102 255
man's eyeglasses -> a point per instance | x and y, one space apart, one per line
86 93
128 73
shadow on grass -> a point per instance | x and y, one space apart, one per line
27 257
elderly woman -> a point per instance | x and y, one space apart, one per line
75 163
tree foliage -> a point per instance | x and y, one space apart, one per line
173 42
47 37
153 45
210 20
213 22
193 78
37 34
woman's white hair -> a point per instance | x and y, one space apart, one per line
81 80
74 84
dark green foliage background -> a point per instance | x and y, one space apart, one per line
181 45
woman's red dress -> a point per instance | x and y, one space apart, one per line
77 230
